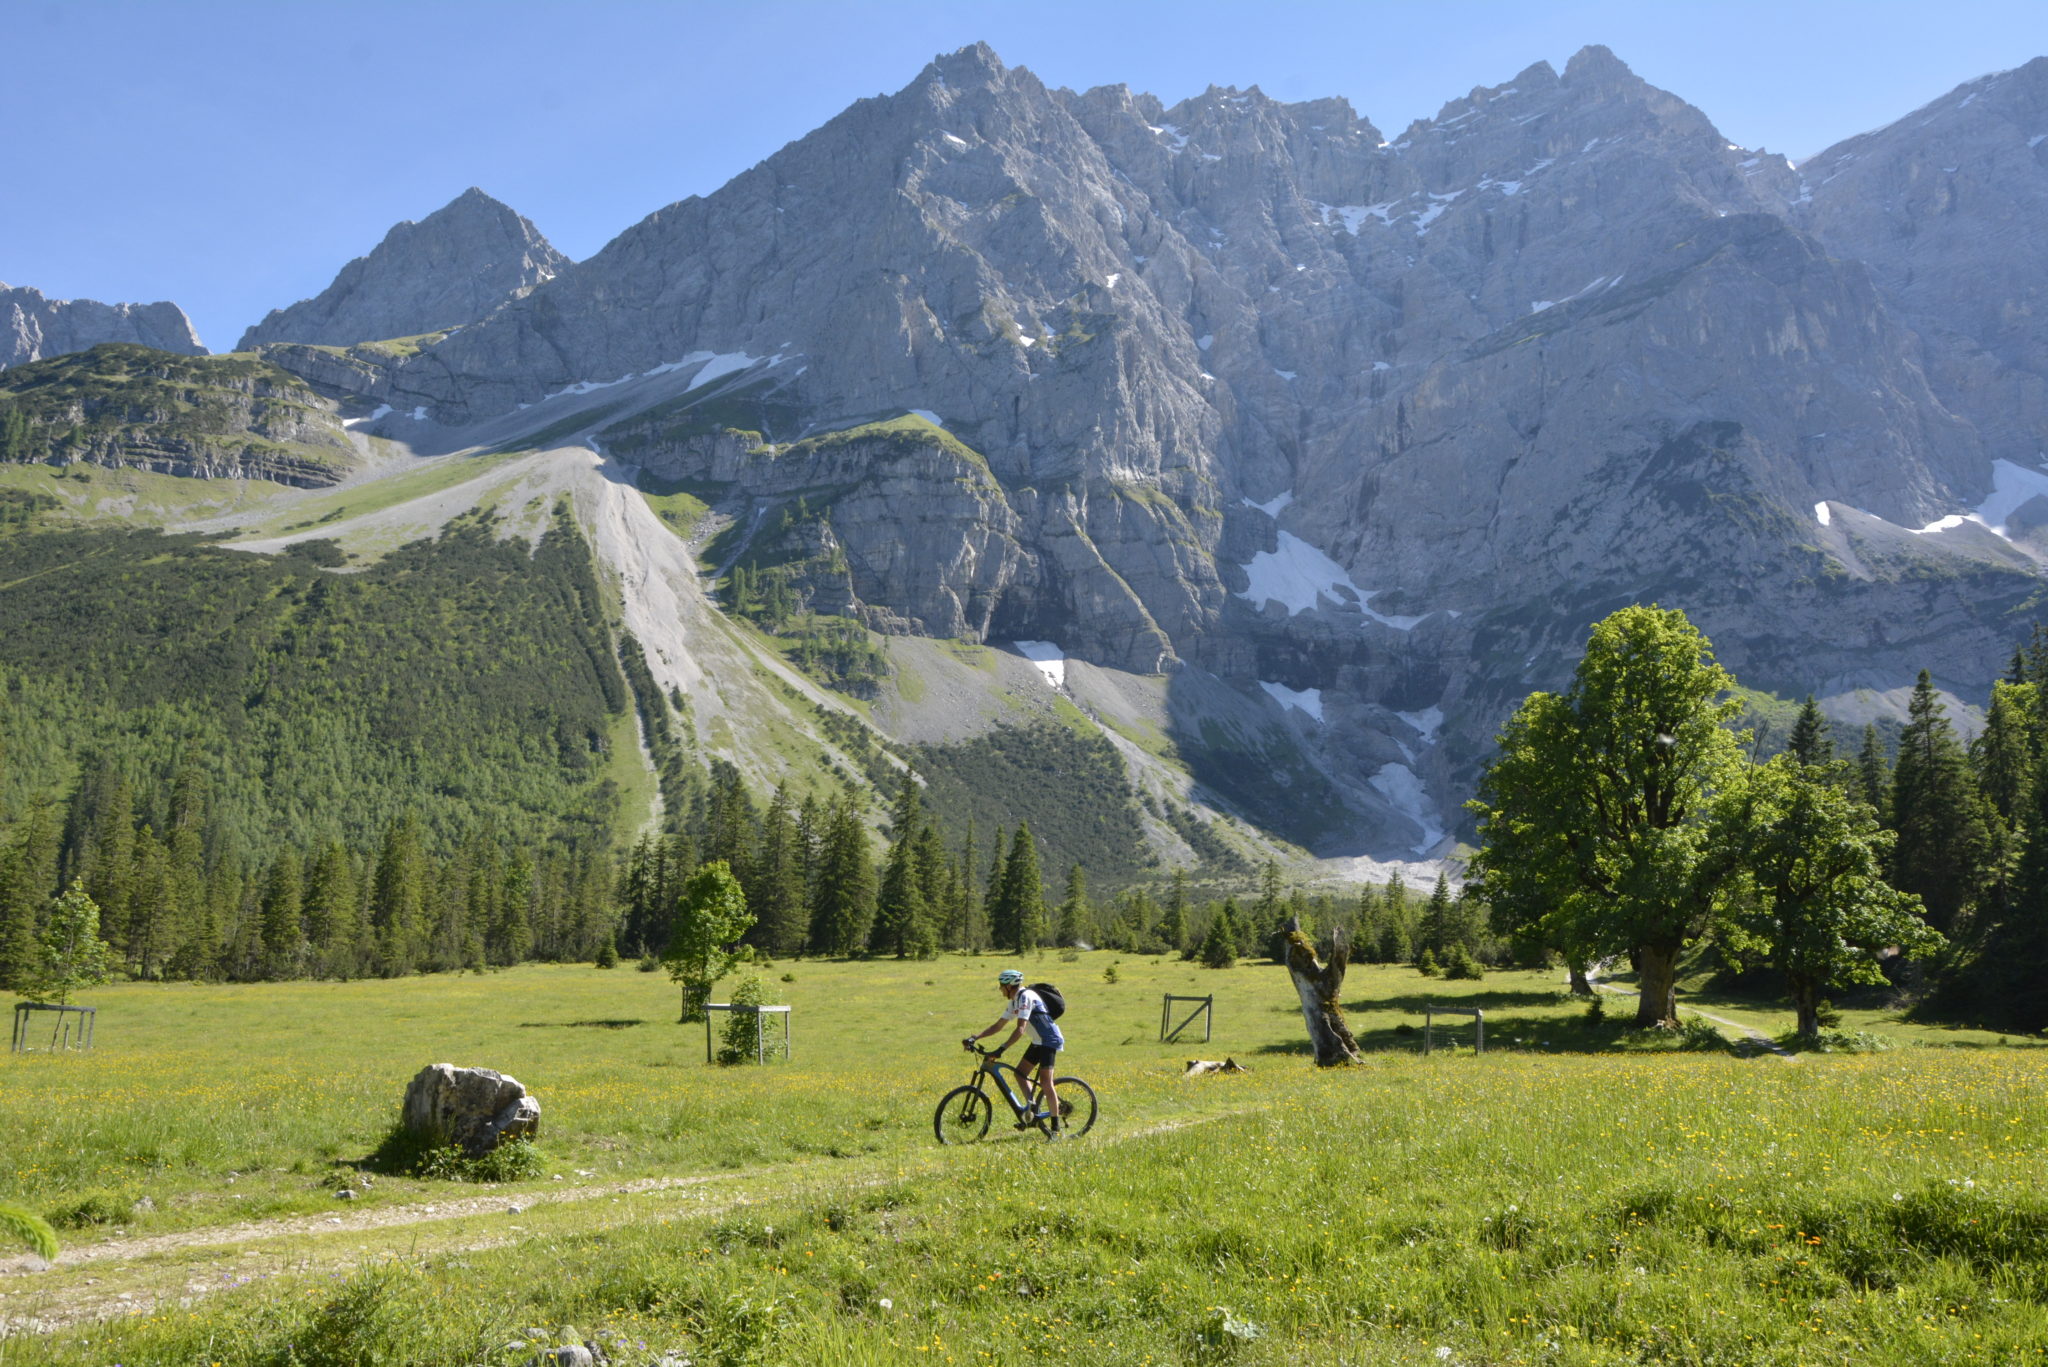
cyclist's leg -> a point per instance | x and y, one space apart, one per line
1047 1091
1036 1061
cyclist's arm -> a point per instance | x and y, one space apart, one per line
1017 1028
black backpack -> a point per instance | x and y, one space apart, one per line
1055 1004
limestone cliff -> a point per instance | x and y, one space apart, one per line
32 327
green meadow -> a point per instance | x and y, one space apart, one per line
1578 1195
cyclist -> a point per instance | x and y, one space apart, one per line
1027 1010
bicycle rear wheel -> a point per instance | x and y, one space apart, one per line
1077 1106
963 1116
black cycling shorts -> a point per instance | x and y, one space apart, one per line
1041 1053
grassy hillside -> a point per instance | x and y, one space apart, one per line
1570 1198
218 416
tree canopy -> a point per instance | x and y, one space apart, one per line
1594 814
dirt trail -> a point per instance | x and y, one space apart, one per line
407 1230
1756 1039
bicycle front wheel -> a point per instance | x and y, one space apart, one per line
963 1116
1077 1106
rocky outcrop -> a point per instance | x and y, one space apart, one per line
449 269
476 1109
214 417
33 328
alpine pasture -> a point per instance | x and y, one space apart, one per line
1580 1194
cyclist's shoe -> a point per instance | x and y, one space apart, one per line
1057 1134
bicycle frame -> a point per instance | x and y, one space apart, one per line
992 1068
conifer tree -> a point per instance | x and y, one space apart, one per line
111 860
1074 913
1438 933
2003 755
512 937
1023 894
1809 743
934 873
398 898
843 894
1270 913
730 821
1219 947
1397 933
1172 931
899 905
2009 981
776 891
152 909
1368 926
1938 813
967 924
330 909
283 907
1874 773
28 875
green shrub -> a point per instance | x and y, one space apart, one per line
406 1154
1463 965
1700 1036
1427 965
515 1160
1850 1042
93 1208
739 1039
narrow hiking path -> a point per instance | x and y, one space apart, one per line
138 1275
1756 1039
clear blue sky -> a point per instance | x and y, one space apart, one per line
231 155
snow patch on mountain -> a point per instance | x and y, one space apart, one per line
2012 486
1426 722
1298 577
1404 792
1309 700
1050 659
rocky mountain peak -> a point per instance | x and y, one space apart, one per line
445 271
974 64
1596 64
34 328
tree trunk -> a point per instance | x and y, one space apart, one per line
1582 986
1318 984
1657 970
1806 1000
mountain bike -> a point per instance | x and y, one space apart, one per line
965 1112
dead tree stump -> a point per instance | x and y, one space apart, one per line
1318 984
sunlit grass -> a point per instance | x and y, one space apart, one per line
1553 1202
